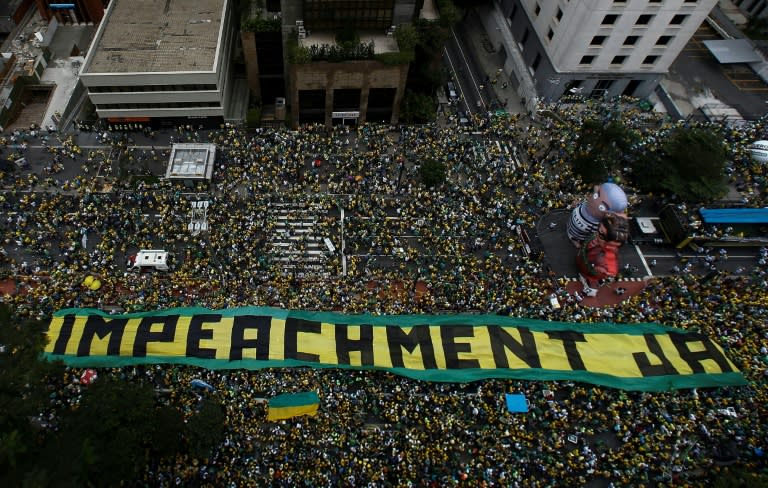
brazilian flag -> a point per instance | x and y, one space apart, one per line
289 405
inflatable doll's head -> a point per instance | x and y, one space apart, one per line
608 197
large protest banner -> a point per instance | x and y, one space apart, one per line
452 348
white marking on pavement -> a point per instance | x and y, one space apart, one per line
343 257
469 71
695 256
642 258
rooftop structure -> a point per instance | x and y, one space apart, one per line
151 36
382 43
191 161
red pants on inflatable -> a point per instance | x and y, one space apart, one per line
597 259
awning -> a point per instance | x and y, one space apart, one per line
734 215
733 51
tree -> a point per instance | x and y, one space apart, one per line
23 393
432 173
205 429
106 440
407 37
449 15
601 149
417 108
691 165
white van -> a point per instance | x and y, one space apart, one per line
450 91
151 259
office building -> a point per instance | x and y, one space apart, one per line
163 63
319 80
596 48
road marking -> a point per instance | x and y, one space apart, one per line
642 259
469 71
694 256
455 76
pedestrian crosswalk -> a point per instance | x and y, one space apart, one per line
495 152
295 243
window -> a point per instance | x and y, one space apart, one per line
663 40
525 36
513 13
631 40
654 1
601 88
644 19
618 59
597 41
537 10
550 34
650 59
610 19
691 1
559 15
678 19
587 60
536 62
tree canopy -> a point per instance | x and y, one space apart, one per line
602 149
691 165
432 173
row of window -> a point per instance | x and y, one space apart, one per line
644 19
631 40
537 9
151 88
124 106
648 60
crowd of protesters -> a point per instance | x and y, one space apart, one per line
412 249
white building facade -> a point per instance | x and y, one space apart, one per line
161 60
596 48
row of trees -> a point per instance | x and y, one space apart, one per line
109 437
688 162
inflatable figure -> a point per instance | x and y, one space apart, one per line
597 258
585 219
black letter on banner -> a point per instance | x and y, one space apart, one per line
196 333
526 351
448 334
418 337
570 338
262 324
145 335
96 325
344 344
60 347
292 329
694 358
648 369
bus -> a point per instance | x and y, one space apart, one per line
714 227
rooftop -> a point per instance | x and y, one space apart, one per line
382 43
155 36
191 161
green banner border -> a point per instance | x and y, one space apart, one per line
650 384
473 320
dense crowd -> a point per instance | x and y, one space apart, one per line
458 242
